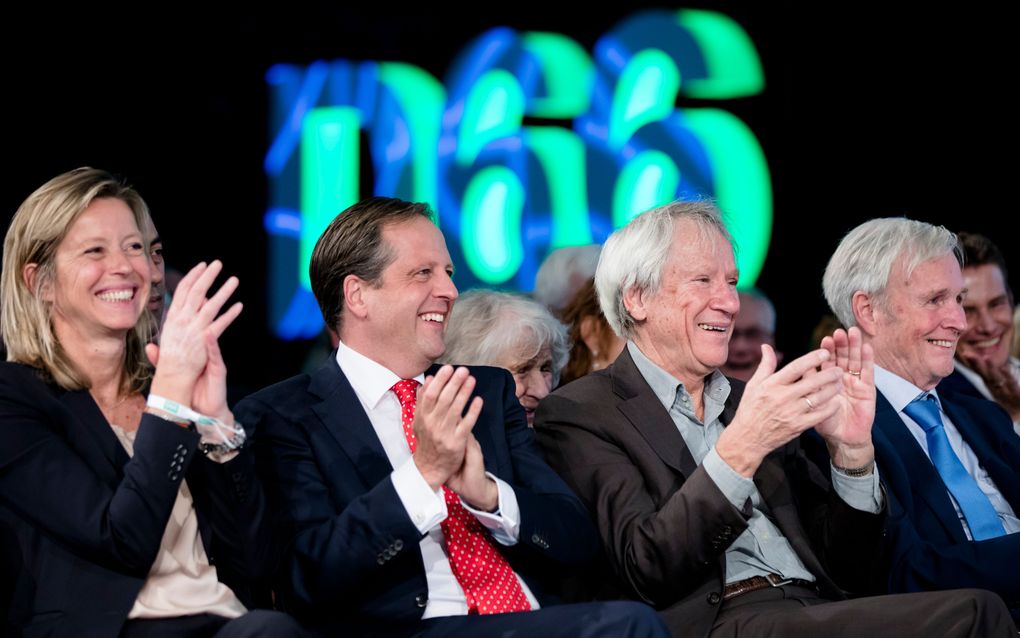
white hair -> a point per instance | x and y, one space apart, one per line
488 327
635 255
562 274
864 259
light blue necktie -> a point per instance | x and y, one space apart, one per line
977 509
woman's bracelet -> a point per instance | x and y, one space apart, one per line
232 437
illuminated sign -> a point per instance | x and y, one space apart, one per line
532 144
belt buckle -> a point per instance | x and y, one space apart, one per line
777 581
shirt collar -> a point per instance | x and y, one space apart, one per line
370 380
897 390
666 386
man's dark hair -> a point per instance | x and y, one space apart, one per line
978 250
352 244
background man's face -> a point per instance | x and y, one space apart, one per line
989 316
754 326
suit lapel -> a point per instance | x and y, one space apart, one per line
645 412
999 457
341 414
95 439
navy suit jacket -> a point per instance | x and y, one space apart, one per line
88 519
349 554
959 384
929 547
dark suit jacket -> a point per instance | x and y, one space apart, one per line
930 549
959 384
89 520
349 553
664 523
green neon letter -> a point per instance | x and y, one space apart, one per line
329 173
491 227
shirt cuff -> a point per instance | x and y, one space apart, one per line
735 487
505 523
862 493
424 506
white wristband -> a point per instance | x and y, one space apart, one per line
230 437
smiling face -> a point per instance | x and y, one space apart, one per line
989 316
918 323
406 312
101 281
685 326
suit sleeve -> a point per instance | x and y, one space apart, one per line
335 546
231 502
48 483
918 564
554 522
661 552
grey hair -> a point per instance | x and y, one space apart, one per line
635 255
486 327
864 259
563 272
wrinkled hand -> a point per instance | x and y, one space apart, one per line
777 407
1001 383
848 432
189 366
441 431
471 483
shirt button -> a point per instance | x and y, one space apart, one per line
714 598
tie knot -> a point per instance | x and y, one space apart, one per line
405 389
925 411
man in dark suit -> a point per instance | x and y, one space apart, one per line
984 367
414 512
707 508
950 462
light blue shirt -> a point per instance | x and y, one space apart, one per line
899 393
761 548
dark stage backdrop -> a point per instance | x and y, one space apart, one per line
868 111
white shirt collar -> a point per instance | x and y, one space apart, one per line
897 390
370 380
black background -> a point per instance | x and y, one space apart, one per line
868 111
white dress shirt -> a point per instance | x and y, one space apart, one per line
982 387
425 507
900 392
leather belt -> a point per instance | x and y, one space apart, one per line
754 583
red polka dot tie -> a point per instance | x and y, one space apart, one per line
489 584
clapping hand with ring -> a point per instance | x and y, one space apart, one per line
847 432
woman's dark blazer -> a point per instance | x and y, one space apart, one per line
84 521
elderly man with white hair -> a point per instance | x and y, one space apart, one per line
950 461
707 508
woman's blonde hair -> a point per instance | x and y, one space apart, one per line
41 223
